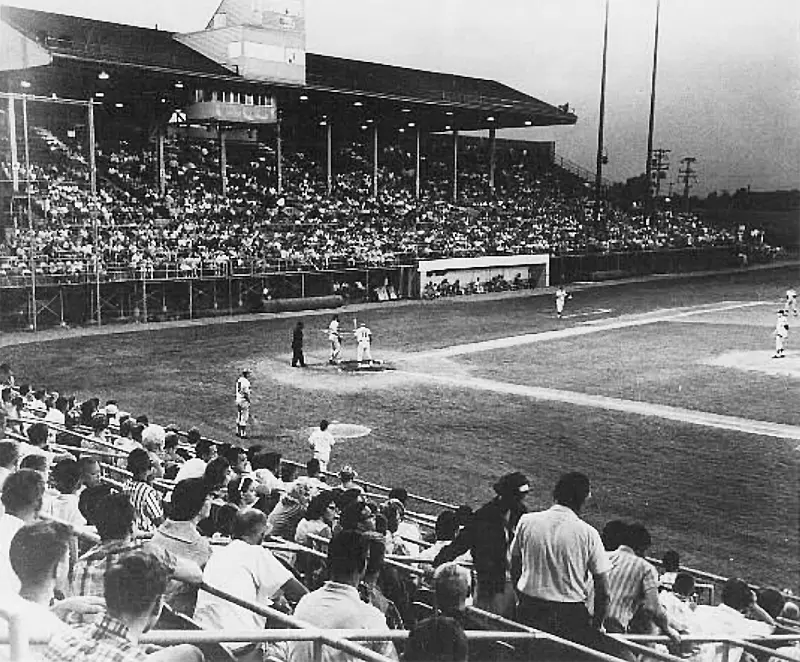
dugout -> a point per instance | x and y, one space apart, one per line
532 270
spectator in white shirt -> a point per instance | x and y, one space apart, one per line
204 451
250 572
22 499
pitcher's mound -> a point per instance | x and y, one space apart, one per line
340 431
761 361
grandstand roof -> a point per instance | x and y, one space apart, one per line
79 47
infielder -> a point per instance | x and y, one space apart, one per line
364 339
335 339
242 404
561 296
791 301
781 334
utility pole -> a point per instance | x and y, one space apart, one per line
687 175
598 180
648 199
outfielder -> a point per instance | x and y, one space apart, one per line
335 339
561 296
781 334
243 404
364 339
791 301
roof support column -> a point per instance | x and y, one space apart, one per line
492 156
416 169
223 161
455 164
375 160
279 154
162 168
329 141
12 139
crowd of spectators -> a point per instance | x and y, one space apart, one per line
193 228
157 513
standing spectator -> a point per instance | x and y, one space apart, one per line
633 585
553 555
22 500
243 404
337 605
249 571
204 451
145 499
113 516
671 564
487 536
321 442
134 586
191 502
9 456
297 346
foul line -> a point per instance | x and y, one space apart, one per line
574 331
679 414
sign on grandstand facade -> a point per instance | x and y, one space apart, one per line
258 39
535 269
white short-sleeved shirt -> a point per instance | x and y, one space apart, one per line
338 606
9 525
724 621
194 468
249 572
322 441
38 619
559 553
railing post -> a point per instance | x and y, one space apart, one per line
317 650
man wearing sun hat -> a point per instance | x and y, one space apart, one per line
488 536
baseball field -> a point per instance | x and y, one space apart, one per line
663 392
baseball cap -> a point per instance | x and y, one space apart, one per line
513 484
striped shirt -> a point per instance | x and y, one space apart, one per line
629 580
146 502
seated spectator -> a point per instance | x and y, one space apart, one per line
394 512
437 639
22 500
237 459
267 469
91 471
406 528
445 529
679 605
250 572
370 589
89 499
771 600
35 552
9 457
172 458
65 507
347 477
337 604
738 616
671 565
190 503
284 518
216 476
114 517
204 452
357 516
133 587
319 519
242 492
313 478
37 443
146 500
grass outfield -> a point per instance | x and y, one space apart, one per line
727 501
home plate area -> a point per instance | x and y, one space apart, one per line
761 361
365 366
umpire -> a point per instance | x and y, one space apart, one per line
297 346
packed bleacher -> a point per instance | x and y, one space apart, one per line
194 229
112 525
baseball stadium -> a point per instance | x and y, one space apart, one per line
213 241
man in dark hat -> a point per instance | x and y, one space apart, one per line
488 536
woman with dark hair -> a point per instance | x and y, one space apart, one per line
216 475
319 520
242 492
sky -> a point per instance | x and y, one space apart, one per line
728 86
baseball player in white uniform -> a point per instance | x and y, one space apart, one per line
791 301
242 403
781 334
364 339
561 296
335 339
